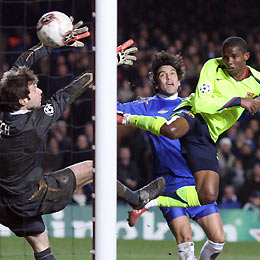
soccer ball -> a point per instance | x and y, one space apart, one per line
52 29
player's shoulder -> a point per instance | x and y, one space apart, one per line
215 62
255 72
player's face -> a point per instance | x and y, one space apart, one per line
168 82
235 61
35 96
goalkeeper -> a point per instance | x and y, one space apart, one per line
27 194
226 88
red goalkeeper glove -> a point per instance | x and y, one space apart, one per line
77 34
125 54
122 118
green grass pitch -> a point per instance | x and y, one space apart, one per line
13 248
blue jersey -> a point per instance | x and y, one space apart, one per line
166 153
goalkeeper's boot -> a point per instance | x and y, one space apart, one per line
134 215
150 192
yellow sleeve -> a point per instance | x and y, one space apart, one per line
206 100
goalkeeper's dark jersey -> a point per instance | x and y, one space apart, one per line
23 133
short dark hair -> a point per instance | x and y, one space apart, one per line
14 86
235 41
165 58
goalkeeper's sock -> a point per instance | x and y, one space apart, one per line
186 196
132 197
151 204
149 123
44 255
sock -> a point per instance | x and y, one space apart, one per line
151 204
210 250
186 251
186 196
126 194
44 255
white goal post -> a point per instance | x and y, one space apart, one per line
105 132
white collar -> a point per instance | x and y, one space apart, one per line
172 97
20 112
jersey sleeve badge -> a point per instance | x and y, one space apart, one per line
48 110
204 88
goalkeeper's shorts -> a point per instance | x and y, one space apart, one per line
22 214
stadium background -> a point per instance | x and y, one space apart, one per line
195 29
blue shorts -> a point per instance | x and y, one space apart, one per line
197 146
194 213
172 184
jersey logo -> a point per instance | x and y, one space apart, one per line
145 101
162 111
48 110
250 95
4 129
204 88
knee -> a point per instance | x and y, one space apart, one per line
207 193
207 197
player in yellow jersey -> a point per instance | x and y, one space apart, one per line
226 88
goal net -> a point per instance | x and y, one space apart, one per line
70 139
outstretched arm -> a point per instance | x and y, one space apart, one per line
149 123
53 110
29 57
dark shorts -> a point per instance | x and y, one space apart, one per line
22 214
197 146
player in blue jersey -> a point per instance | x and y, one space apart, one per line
168 71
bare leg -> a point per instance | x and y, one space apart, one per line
213 227
207 184
83 172
181 229
38 242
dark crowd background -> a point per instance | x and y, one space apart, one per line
194 29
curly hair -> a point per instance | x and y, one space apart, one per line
14 86
164 58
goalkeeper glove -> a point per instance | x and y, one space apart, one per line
125 54
122 118
77 34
